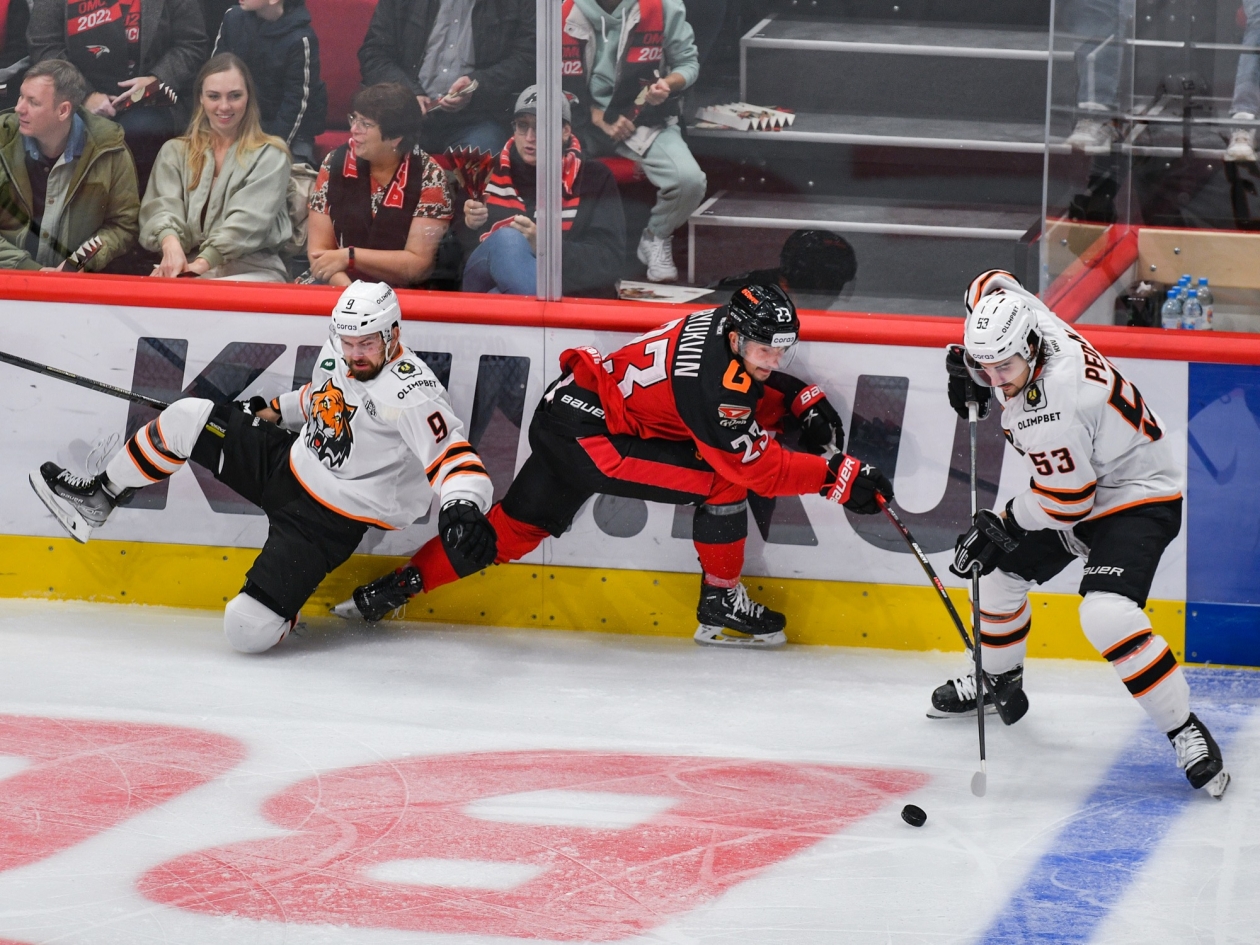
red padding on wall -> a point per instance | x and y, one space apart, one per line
578 314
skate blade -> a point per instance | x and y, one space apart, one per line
69 517
1216 787
347 610
720 636
934 713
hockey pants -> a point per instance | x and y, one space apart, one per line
563 472
1123 552
305 540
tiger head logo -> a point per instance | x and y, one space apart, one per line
328 432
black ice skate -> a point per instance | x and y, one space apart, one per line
1200 757
79 503
373 601
729 617
1004 695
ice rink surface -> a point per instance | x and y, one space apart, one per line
426 784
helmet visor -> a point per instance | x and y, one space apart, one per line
995 375
774 357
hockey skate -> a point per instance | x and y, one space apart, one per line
373 601
79 503
1200 757
1004 695
729 617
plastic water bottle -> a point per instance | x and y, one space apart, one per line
1192 311
1208 302
1170 311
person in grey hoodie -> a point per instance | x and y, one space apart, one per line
276 40
633 59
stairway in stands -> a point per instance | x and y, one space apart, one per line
919 136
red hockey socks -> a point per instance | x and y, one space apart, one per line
515 538
722 564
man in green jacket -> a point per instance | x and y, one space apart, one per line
68 196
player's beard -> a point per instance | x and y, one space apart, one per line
363 376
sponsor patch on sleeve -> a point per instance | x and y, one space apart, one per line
328 364
404 369
730 415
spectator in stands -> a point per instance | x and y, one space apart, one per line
637 57
219 193
14 57
275 39
66 175
591 217
1101 24
439 49
139 66
1246 103
380 205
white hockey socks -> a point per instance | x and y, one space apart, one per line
159 448
1005 620
251 626
1120 631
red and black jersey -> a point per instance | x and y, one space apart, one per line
681 382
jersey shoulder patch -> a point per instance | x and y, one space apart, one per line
407 381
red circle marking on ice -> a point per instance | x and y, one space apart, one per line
722 821
86 777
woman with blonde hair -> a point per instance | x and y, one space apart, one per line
219 193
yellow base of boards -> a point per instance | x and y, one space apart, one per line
661 603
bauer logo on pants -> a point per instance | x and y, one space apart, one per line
329 435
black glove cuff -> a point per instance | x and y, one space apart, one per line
1013 528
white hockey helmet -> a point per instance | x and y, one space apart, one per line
1002 326
365 308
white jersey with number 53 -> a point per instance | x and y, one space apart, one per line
377 451
1093 444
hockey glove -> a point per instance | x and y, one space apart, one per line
821 426
467 536
253 405
989 537
853 484
962 388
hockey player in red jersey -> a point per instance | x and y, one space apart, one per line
680 415
1104 485
368 442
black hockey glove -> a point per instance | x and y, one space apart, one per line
989 537
821 426
253 405
467 536
853 484
962 388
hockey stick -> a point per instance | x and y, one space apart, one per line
927 567
87 382
979 780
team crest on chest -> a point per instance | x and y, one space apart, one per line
1035 397
328 432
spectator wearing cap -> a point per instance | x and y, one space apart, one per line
811 262
139 65
592 222
276 40
380 206
464 60
68 179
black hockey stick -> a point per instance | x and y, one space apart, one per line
979 780
927 567
87 382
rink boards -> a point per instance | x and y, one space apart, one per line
625 566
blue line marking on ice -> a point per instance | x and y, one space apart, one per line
1075 884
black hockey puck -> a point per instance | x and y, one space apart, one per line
914 816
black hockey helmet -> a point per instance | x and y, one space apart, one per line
763 313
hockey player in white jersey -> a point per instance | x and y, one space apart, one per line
1104 486
366 443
